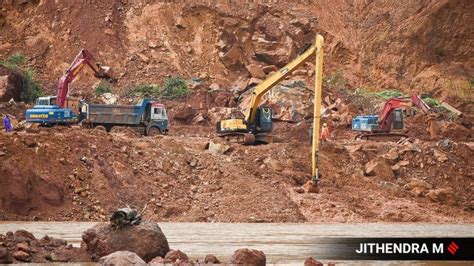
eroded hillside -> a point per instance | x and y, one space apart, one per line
424 46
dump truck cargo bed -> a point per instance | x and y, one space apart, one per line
116 114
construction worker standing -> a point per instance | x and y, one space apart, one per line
325 133
7 123
432 126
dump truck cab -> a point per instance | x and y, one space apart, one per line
157 118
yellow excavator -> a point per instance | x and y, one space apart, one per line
255 127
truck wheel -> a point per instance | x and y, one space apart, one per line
154 131
100 128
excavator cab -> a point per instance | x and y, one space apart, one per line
263 119
397 117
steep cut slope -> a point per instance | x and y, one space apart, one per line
419 45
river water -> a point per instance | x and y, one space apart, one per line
282 243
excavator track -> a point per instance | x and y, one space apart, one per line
247 138
380 136
238 137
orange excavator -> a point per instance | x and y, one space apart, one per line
391 117
83 58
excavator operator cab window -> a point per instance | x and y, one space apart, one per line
43 101
264 119
397 119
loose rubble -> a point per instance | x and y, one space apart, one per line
22 246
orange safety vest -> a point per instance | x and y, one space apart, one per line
325 134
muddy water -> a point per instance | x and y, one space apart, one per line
282 243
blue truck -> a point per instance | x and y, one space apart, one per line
147 114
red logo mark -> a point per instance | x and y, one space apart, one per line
453 248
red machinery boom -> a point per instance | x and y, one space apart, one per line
84 57
395 103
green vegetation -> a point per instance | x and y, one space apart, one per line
146 90
362 91
385 94
30 88
14 61
172 88
431 102
337 81
103 87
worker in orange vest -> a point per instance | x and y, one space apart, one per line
325 133
432 126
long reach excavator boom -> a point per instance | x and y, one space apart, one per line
258 119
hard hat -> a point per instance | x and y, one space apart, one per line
325 125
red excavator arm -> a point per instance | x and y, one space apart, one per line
84 57
395 103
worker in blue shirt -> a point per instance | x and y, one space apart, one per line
7 123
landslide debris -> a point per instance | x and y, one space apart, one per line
80 174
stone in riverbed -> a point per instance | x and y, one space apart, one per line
248 257
122 258
146 240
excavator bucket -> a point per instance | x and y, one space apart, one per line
311 187
104 72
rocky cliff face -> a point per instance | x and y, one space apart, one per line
418 45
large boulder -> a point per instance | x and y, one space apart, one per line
418 187
109 98
442 195
172 257
216 114
290 101
272 43
22 256
122 258
146 240
379 167
10 85
211 259
247 256
176 256
312 262
217 148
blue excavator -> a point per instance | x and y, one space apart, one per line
60 109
